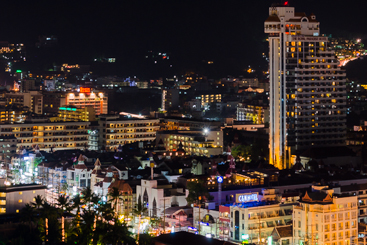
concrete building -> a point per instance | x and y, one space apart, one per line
193 142
97 100
28 85
14 198
307 88
116 130
58 136
32 99
325 218
254 220
170 99
13 114
253 113
74 114
8 147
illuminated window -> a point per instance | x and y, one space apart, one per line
299 49
293 49
299 43
2 210
293 43
333 100
2 194
17 211
20 200
20 193
2 202
293 96
299 90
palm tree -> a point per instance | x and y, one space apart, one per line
76 205
115 197
140 209
28 215
38 201
64 205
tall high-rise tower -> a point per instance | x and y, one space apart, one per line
307 88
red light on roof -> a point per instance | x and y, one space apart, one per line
286 3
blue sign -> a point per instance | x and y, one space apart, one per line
219 179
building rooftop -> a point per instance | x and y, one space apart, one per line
183 238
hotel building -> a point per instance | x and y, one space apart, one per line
325 218
307 88
193 142
97 100
254 216
58 136
116 130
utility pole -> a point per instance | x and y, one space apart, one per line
164 215
199 214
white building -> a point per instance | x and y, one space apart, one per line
307 88
157 197
79 176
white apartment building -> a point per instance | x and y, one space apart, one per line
307 88
325 218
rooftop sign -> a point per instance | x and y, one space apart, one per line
247 197
303 38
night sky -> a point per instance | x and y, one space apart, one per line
230 32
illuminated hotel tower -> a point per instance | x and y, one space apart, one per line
307 88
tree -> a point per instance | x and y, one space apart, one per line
115 197
197 191
241 151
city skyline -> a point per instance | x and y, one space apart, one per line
191 32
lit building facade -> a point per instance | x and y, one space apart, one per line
31 99
193 142
253 113
14 198
115 131
73 114
307 88
58 136
325 219
97 100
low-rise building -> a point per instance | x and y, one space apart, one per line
78 176
158 197
14 197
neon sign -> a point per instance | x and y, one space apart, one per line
84 90
247 197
